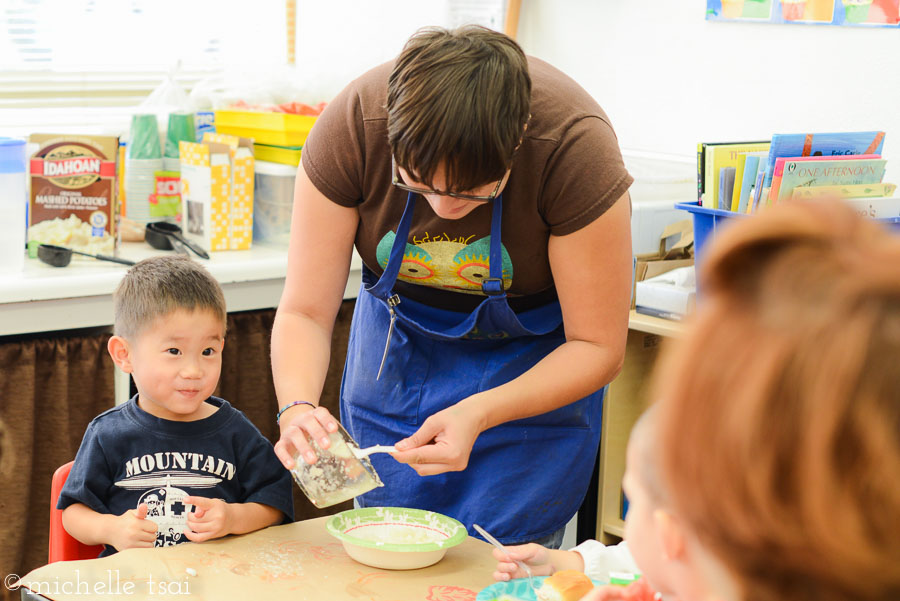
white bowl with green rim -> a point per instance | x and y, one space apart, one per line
396 538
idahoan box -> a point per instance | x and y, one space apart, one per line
73 191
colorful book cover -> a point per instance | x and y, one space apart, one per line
751 168
821 144
719 155
773 191
802 173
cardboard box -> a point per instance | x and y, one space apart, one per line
73 198
240 226
205 193
217 191
680 254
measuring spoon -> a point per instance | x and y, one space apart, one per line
60 256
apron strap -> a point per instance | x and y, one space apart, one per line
493 285
384 285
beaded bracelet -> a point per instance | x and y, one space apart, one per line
288 406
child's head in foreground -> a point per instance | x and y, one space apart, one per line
169 333
779 420
656 538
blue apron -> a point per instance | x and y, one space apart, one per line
526 478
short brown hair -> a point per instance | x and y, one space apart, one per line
157 286
780 421
460 99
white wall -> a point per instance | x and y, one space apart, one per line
669 79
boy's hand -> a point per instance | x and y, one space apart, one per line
532 554
211 518
132 530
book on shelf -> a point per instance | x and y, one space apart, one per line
880 190
876 208
712 157
738 179
752 164
831 144
726 187
824 171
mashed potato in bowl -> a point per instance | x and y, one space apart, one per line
396 538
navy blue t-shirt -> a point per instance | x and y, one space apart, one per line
128 457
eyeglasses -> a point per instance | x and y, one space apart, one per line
416 190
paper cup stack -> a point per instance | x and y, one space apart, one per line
143 158
181 129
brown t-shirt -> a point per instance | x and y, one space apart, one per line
567 172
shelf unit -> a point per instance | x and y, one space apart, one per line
626 400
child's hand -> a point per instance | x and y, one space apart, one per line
133 529
532 554
211 518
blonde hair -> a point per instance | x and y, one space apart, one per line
780 409
160 285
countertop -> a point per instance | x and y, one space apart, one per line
43 298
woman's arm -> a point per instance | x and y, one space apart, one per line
322 235
592 269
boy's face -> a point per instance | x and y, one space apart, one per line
175 362
640 529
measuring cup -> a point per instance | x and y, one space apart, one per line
173 233
60 256
161 240
341 472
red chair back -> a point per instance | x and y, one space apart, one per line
63 546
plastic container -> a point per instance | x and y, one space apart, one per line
277 129
707 222
273 199
13 201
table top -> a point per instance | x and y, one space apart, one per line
296 562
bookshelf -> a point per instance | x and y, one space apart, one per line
625 401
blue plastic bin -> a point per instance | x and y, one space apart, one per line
707 221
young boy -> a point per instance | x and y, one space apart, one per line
657 545
173 464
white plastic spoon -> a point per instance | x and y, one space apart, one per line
503 550
360 453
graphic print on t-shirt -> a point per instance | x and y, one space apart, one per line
151 474
445 262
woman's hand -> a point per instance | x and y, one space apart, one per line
302 423
443 443
533 555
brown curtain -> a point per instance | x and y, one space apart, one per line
51 387
246 380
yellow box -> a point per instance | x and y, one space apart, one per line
206 193
285 155
240 208
277 129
